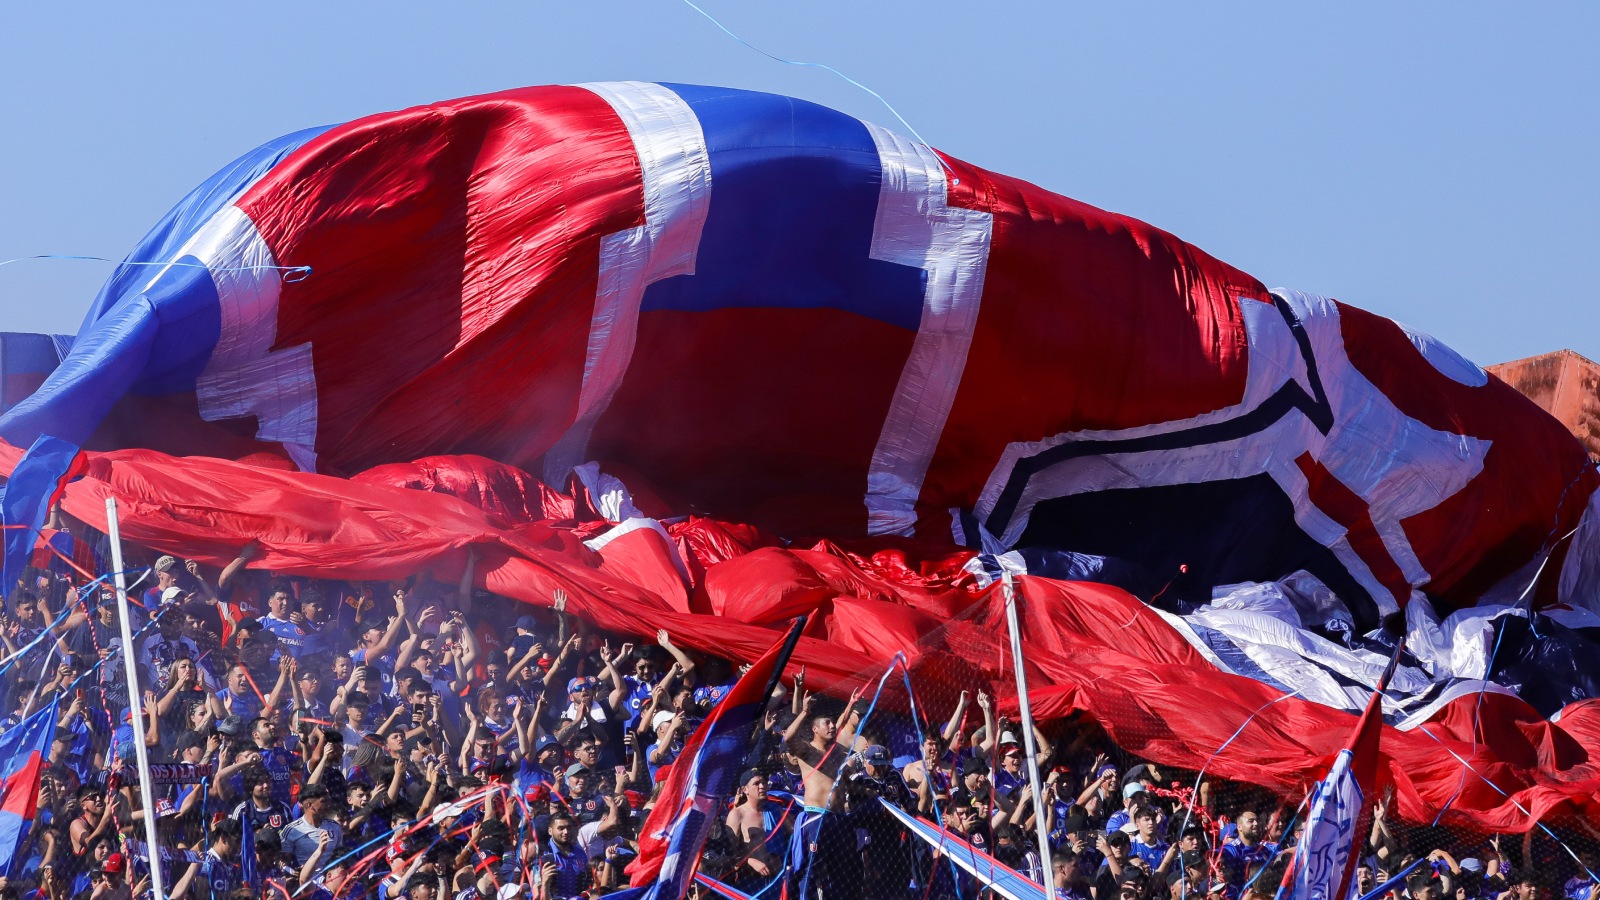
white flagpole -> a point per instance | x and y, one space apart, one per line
1046 870
130 667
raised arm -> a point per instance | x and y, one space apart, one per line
468 574
990 738
286 668
231 571
685 664
948 732
206 591
392 633
803 716
852 720
567 649
619 688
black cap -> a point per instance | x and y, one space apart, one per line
972 765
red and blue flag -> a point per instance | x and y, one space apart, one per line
702 779
22 760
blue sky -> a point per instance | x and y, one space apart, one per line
1434 162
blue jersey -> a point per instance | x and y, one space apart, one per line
572 869
290 636
1238 858
638 696
710 695
1008 784
1150 853
281 764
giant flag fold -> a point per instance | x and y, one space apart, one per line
703 777
22 753
25 500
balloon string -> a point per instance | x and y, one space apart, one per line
291 274
813 65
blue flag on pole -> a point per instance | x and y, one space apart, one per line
22 753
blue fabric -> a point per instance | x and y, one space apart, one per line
25 499
186 218
148 338
806 177
25 361
247 852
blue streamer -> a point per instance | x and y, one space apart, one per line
1485 779
811 65
291 274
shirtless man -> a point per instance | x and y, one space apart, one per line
818 829
748 820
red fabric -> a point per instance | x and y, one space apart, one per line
1530 465
20 792
470 220
643 557
507 494
1089 647
1158 699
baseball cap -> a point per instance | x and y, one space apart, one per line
1472 864
415 741
546 743
877 755
166 563
577 769
1131 788
1007 737
114 864
527 623
974 766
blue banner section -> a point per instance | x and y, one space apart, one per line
25 500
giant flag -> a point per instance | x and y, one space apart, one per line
702 779
22 754
783 315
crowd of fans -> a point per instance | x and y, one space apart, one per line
328 739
